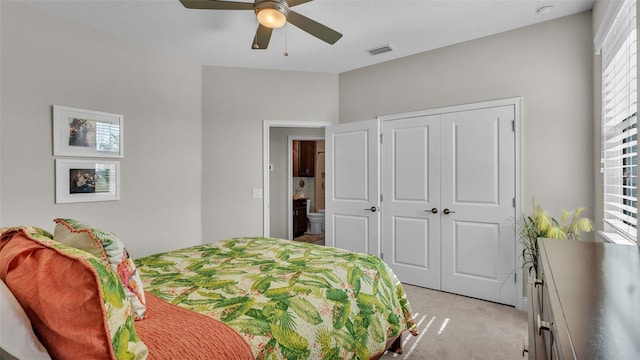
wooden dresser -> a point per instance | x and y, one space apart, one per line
585 303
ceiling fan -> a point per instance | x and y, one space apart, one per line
271 14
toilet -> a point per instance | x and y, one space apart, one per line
315 219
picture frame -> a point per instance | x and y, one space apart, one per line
87 180
87 133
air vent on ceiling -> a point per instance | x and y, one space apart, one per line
380 50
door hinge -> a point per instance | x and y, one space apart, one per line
381 256
513 125
381 135
515 277
514 202
380 197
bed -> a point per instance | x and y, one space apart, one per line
244 298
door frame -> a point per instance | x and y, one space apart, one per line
266 130
517 102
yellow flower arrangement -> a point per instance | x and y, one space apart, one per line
541 225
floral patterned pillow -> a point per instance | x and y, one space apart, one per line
75 302
105 246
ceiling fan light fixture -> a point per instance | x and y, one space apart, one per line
272 14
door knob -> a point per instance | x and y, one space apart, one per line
434 210
447 211
372 209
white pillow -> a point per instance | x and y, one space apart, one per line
16 335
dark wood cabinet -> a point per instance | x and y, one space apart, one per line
299 217
304 153
584 302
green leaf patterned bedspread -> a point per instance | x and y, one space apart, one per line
289 300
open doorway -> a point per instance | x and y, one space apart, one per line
278 184
307 185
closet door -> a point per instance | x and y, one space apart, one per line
411 204
478 192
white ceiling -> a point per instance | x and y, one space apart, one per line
224 37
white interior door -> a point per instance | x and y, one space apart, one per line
478 191
411 188
352 188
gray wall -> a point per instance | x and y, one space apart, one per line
235 104
47 61
548 64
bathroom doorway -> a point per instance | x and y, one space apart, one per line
307 186
278 183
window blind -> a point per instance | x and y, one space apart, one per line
619 123
107 137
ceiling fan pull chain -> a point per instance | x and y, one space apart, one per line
286 38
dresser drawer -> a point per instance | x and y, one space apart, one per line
537 350
542 323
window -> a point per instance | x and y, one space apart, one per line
619 123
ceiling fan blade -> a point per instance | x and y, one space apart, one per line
293 3
216 5
314 28
261 40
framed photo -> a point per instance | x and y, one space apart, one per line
87 180
87 133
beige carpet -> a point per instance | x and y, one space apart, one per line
455 327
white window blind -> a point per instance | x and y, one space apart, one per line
107 137
619 123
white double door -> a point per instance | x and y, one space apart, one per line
448 186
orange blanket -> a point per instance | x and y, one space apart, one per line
171 332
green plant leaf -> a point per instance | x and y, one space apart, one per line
337 295
306 310
237 311
377 332
251 326
344 339
353 278
232 301
362 352
341 314
288 338
261 285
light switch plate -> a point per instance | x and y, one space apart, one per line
256 194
